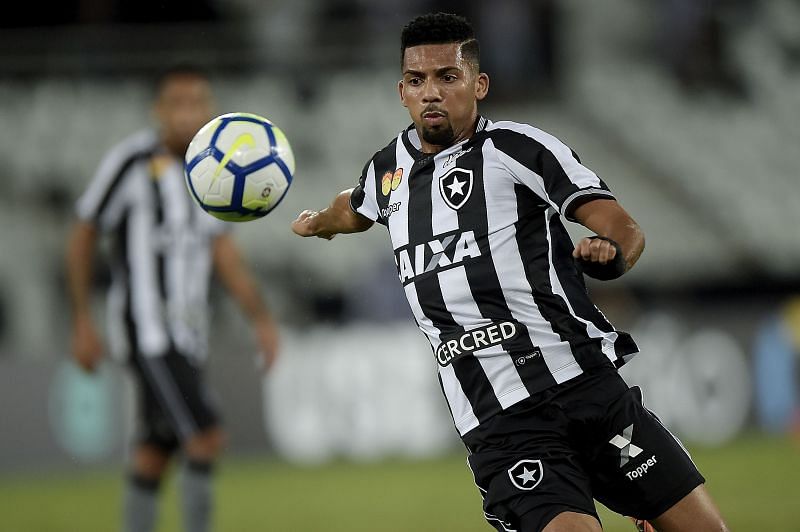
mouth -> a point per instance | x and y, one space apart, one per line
433 118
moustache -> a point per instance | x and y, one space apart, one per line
433 109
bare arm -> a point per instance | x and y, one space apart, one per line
241 285
336 218
608 219
86 345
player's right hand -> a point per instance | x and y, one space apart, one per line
87 349
306 225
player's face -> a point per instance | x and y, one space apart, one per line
183 106
441 91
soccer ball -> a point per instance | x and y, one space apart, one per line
239 167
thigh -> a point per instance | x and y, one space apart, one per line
638 468
175 402
527 471
696 511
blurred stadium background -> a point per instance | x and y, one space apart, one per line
688 109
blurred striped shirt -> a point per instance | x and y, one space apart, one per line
161 249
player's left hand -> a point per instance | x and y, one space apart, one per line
595 250
268 340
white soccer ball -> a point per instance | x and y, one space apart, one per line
239 167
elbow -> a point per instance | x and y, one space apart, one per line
637 246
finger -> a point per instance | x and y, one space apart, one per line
602 256
586 250
611 252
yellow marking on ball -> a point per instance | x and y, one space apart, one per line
241 140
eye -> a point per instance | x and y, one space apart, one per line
449 78
415 82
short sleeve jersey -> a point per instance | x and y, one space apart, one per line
486 262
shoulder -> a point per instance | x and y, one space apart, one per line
526 133
145 140
383 158
387 152
518 139
138 146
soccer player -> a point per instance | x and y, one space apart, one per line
164 250
527 363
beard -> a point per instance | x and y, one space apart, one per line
177 145
439 136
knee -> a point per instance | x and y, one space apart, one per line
150 462
206 445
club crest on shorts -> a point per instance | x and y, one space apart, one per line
526 474
456 187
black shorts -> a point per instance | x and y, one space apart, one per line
174 403
590 437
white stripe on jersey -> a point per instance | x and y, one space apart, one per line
460 407
369 206
91 201
117 336
581 176
398 225
496 363
501 213
145 300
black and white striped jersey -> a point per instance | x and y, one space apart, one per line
161 249
487 264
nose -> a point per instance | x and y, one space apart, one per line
431 93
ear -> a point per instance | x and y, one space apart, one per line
481 86
401 90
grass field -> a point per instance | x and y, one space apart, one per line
754 480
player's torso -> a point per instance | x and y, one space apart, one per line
163 252
452 219
163 215
486 265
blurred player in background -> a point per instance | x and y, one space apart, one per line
527 363
164 250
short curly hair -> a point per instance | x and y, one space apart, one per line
441 28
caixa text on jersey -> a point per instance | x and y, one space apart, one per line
438 254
